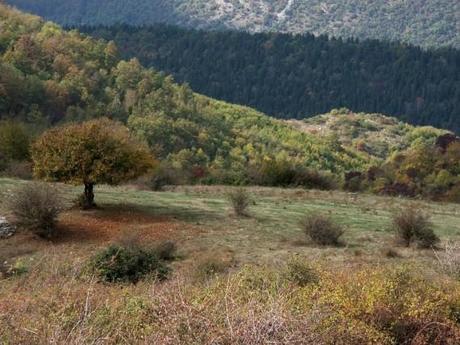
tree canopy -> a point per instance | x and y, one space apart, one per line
94 152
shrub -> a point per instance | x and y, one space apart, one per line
240 201
7 270
14 141
449 259
80 201
164 175
301 273
391 253
209 267
285 174
313 179
353 181
322 230
426 238
19 169
128 264
3 268
410 224
453 195
166 250
36 207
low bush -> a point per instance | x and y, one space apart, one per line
449 259
3 268
412 225
322 230
285 174
14 141
158 181
166 250
313 179
209 267
36 207
240 200
301 273
426 238
128 264
16 268
19 169
80 201
391 253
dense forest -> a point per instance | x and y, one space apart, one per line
428 23
296 76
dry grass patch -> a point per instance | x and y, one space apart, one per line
104 226
54 303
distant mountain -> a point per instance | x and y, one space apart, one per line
428 23
298 76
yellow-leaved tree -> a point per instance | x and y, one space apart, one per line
94 152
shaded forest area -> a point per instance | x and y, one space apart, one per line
297 76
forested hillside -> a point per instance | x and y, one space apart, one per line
426 23
298 76
50 76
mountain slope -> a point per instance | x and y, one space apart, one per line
289 76
425 23
49 76
377 135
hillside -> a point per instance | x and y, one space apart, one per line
426 23
49 76
299 76
375 134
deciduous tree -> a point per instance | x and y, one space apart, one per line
99 151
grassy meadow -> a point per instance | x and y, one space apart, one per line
52 298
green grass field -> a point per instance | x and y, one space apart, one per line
272 231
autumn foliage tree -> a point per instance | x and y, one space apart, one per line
99 151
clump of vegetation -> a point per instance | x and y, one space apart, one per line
11 269
391 253
209 267
301 273
19 169
118 263
449 259
3 268
322 230
36 207
166 250
413 225
14 141
240 201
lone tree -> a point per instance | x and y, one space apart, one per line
94 152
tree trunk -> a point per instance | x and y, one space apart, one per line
89 196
